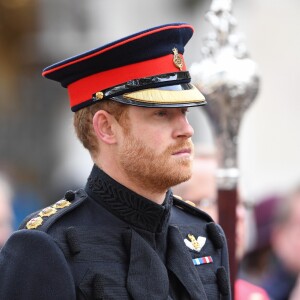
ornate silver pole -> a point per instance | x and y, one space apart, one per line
229 80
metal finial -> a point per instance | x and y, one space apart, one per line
227 77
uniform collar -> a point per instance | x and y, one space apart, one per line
127 205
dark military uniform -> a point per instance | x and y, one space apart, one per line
107 242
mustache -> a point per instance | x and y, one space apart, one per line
181 145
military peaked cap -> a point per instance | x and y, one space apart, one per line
145 69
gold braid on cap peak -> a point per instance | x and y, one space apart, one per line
165 96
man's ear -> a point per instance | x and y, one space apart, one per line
104 126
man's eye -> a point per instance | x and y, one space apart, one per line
161 113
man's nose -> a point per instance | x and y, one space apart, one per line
183 128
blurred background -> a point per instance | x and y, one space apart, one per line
41 158
40 155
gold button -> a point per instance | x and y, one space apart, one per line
190 203
48 211
99 95
61 204
34 223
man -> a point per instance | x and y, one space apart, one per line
201 188
285 243
244 290
6 210
124 236
279 225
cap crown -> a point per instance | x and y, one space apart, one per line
148 53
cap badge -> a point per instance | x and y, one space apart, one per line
195 244
34 223
61 204
177 60
202 260
47 212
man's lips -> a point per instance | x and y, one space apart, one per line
183 151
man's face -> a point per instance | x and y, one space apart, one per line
6 219
285 237
156 150
240 231
201 189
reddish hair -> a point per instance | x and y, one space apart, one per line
83 122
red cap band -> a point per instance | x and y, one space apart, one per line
84 88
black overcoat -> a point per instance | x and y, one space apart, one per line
107 242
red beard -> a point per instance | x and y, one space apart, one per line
152 171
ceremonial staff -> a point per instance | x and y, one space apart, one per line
229 80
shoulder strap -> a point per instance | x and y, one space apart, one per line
43 219
189 207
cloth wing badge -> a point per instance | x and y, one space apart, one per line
195 244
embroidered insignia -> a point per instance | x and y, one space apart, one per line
177 60
194 244
34 223
48 211
202 260
61 204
